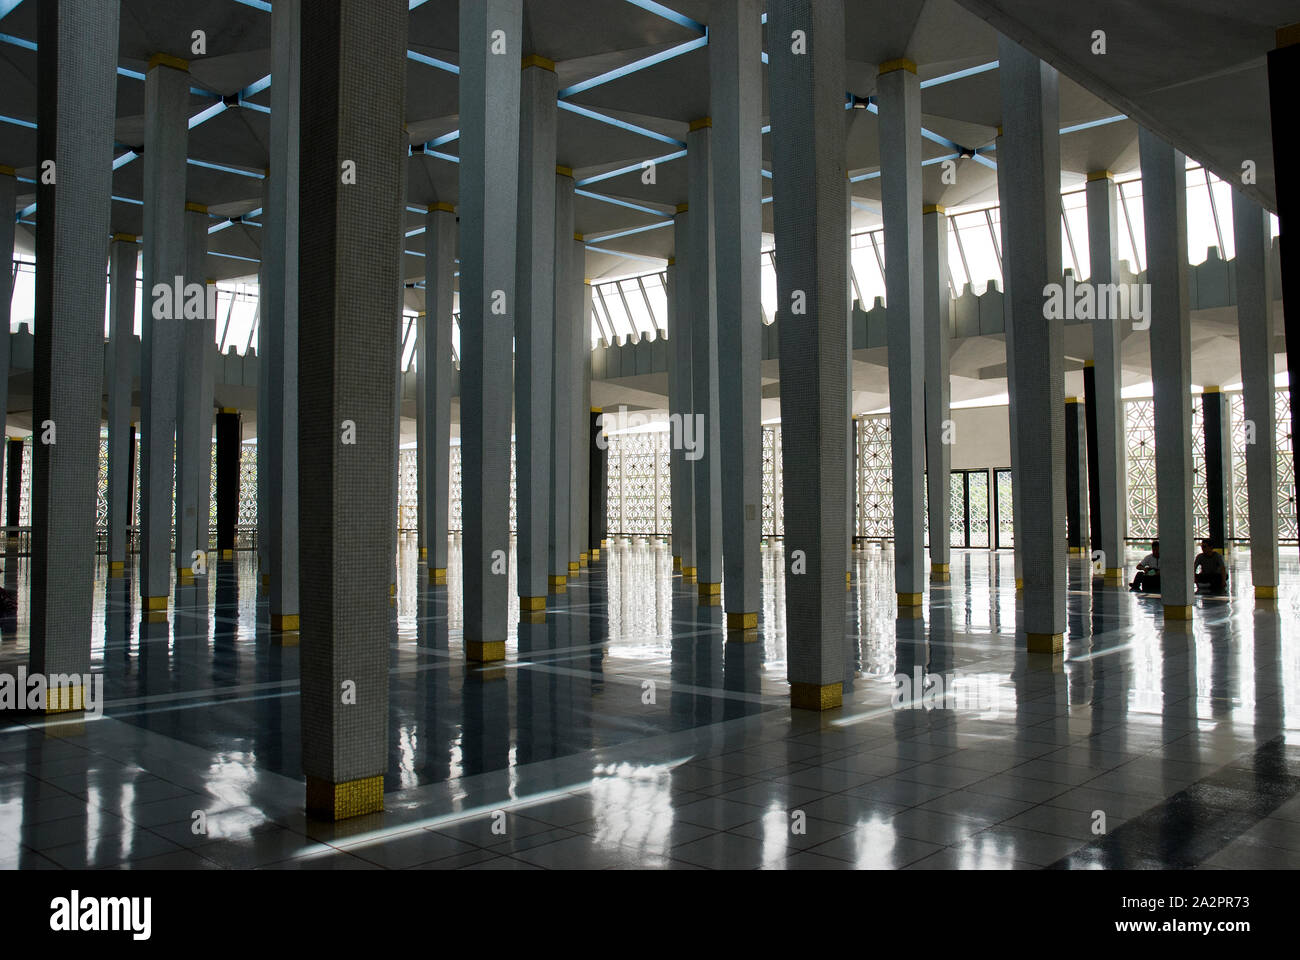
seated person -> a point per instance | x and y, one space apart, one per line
1147 579
1210 571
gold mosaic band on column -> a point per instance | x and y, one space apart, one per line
742 621
339 801
710 589
595 553
574 567
1114 574
154 603
64 699
117 568
284 622
677 564
532 603
582 559
438 575
940 572
812 696
227 554
485 651
1045 642
1265 593
1174 611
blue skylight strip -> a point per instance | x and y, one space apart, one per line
634 230
26 211
445 138
255 106
433 62
416 3
415 232
7 7
865 176
442 156
138 203
1093 123
669 14
635 66
133 74
256 5
959 74
256 86
628 169
124 159
985 161
941 140
203 116
621 124
225 169
232 256
933 160
18 123
17 41
619 203
415 253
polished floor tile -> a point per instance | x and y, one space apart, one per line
1184 739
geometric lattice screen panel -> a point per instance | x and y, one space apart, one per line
1139 421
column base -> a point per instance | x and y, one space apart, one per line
910 613
709 589
532 603
1045 642
595 554
339 801
154 604
284 622
266 581
909 600
1174 611
688 574
742 621
1115 575
1020 583
285 638
532 616
677 564
438 575
485 651
117 568
940 573
1077 551
184 575
574 567
392 589
227 554
1265 593
813 696
424 553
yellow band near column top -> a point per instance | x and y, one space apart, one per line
442 207
902 63
167 60
701 123
536 60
